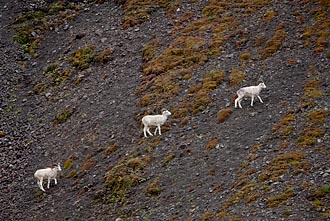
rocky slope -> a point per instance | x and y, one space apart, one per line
77 97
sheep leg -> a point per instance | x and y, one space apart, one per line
48 183
158 128
148 130
252 99
160 133
260 99
238 101
55 181
40 184
145 131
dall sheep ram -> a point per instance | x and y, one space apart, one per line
252 91
154 120
47 173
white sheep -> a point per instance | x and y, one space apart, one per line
252 91
47 173
154 120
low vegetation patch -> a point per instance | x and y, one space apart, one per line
168 159
83 57
175 57
68 163
112 148
280 199
314 128
282 163
309 137
63 116
245 189
319 198
103 57
200 92
274 44
206 216
136 12
150 49
236 77
56 76
122 177
284 127
245 56
86 166
153 188
30 27
317 34
212 144
223 115
269 15
311 92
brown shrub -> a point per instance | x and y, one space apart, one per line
223 115
212 144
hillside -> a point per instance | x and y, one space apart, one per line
76 78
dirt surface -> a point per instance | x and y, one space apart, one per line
197 183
